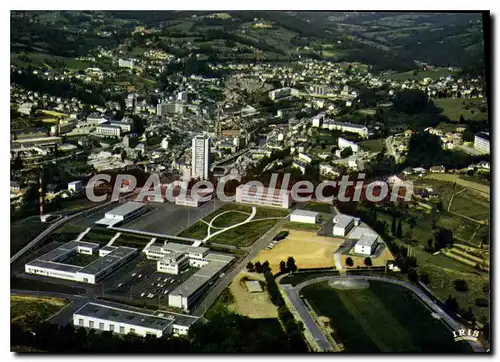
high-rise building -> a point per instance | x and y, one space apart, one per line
200 160
482 142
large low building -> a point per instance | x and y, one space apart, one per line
53 264
122 213
264 197
304 216
345 127
103 317
173 258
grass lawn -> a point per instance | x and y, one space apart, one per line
80 259
454 107
23 231
300 226
382 318
28 310
243 235
318 207
32 284
435 74
374 145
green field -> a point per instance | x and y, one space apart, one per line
470 206
382 318
374 145
300 226
421 74
318 207
454 107
23 231
28 310
243 235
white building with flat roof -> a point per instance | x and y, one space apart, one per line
366 245
343 143
122 213
75 186
342 224
482 142
200 158
304 216
122 320
54 263
264 197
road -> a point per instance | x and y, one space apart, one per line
321 340
452 324
52 227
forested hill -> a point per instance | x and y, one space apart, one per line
385 41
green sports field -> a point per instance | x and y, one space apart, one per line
381 318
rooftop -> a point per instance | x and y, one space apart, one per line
305 213
342 220
126 208
367 240
117 315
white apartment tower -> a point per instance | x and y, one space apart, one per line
200 160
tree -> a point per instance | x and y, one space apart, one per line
451 304
482 302
462 120
469 315
265 266
250 266
346 152
283 268
124 155
424 278
393 227
258 267
461 285
368 261
290 264
399 230
349 262
412 275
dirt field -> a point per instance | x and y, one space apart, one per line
483 189
253 305
308 250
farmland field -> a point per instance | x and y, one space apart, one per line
471 109
381 318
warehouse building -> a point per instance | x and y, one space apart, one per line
124 321
188 293
266 197
304 216
122 213
52 264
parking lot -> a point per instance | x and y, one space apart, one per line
170 219
144 284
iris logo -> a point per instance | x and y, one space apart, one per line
466 335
